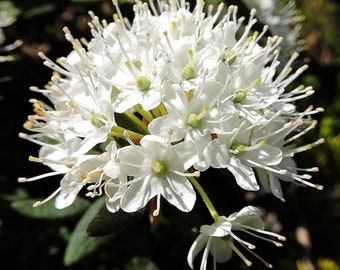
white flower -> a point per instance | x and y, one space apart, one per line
188 90
189 116
158 169
218 238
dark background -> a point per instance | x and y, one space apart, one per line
35 243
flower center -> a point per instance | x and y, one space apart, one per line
143 83
238 148
240 95
194 120
188 72
229 57
159 167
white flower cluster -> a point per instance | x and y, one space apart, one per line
195 92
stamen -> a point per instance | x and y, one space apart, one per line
247 244
238 252
158 205
38 177
38 203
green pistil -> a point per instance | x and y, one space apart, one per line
188 72
238 147
229 57
240 95
194 120
143 83
158 167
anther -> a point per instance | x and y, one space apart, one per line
22 179
37 203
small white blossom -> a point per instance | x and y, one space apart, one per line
158 169
218 238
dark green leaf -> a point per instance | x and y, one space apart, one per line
80 244
112 223
47 210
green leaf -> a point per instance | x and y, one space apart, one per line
47 210
80 244
106 222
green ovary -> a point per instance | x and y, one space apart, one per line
240 96
188 72
159 167
143 83
194 120
238 147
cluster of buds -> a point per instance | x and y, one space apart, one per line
142 109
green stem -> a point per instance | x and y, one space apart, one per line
146 114
162 109
119 133
205 198
137 121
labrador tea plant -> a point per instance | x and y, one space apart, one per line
200 90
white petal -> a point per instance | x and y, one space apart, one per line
244 175
220 250
134 160
179 192
151 99
266 155
139 193
127 99
215 230
111 169
65 199
161 126
217 154
196 247
188 153
275 186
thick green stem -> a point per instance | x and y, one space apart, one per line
138 122
146 114
162 109
205 198
119 133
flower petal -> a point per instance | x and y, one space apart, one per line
244 175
